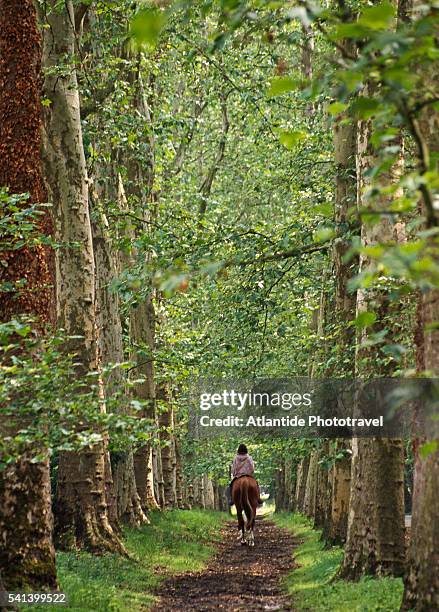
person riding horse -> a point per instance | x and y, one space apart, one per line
243 465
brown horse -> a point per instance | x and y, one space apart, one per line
245 496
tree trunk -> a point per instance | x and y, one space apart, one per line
27 556
280 489
341 485
421 590
375 540
302 475
208 493
81 512
289 484
179 475
309 502
375 537
142 331
321 489
166 423
345 150
122 496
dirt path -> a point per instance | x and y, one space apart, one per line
238 578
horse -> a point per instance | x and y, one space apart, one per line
245 496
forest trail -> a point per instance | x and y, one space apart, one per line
238 578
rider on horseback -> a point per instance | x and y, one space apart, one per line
243 465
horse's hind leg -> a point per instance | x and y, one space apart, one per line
241 524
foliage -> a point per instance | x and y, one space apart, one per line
47 407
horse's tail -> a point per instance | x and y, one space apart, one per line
245 504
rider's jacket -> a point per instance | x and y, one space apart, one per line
243 465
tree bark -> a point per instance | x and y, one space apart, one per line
345 150
122 496
341 489
280 489
81 511
27 556
375 535
166 423
321 489
142 314
309 502
421 588
302 475
179 476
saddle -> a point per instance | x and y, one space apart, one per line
242 476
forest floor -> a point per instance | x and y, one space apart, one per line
238 577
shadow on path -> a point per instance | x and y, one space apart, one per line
238 578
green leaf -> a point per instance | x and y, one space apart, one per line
146 26
324 234
349 30
336 108
428 448
289 139
365 319
378 17
364 108
281 85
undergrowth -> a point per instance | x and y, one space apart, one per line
175 542
312 587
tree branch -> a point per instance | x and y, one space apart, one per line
80 13
206 185
296 252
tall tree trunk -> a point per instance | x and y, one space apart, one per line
421 590
122 497
302 475
280 489
166 423
27 556
321 488
142 315
179 475
289 475
345 150
81 511
142 331
309 502
375 535
340 489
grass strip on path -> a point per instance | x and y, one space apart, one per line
310 584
